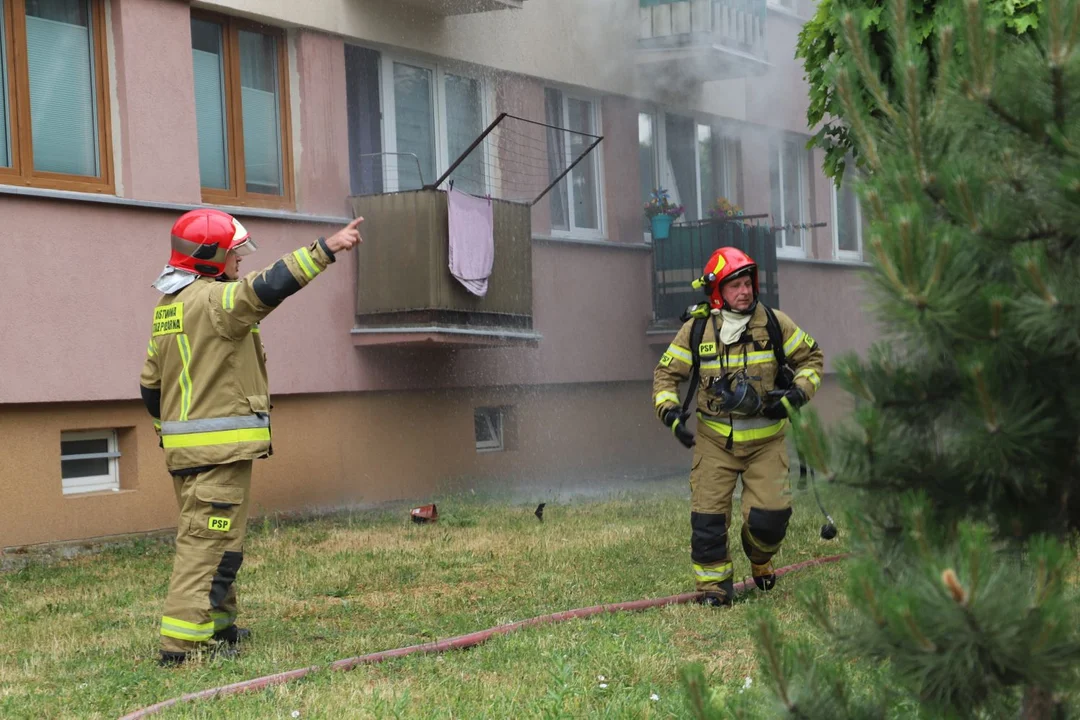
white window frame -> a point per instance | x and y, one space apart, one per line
846 255
94 483
657 122
782 248
494 419
600 233
388 99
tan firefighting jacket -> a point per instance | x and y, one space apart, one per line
206 359
757 357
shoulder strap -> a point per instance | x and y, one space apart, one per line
776 339
697 333
776 335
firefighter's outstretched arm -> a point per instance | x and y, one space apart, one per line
237 306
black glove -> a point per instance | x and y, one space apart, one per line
677 422
774 409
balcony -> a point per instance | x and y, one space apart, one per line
683 43
406 295
464 7
680 259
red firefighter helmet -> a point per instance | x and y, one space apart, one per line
726 264
202 238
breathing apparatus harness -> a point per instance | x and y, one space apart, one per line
742 395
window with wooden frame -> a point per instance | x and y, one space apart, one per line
242 111
54 98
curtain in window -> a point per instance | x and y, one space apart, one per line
793 186
556 150
63 94
261 112
364 113
415 123
464 123
682 155
5 114
727 165
210 117
585 176
847 211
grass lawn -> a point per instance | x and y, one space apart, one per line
80 635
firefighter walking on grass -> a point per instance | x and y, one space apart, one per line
205 385
751 362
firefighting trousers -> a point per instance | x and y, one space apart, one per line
766 507
209 551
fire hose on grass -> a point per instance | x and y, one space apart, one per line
460 642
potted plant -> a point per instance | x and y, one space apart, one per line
661 212
723 209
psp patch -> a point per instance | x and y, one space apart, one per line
708 348
220 524
666 359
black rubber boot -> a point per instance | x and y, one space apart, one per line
721 597
172 659
764 577
232 635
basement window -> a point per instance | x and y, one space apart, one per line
89 462
488 423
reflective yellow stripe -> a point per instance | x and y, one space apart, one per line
183 630
680 353
185 375
758 544
736 361
151 349
228 300
306 263
744 435
218 437
713 574
793 341
157 424
255 329
666 396
222 620
811 375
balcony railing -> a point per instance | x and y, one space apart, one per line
680 259
406 294
463 7
727 36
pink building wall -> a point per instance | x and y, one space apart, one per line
80 335
155 100
323 169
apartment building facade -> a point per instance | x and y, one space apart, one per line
118 115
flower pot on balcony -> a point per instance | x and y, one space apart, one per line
661 226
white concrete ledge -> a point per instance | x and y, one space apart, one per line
606 244
101 199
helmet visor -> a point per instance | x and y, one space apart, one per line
246 247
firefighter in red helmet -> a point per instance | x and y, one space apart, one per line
204 382
753 362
